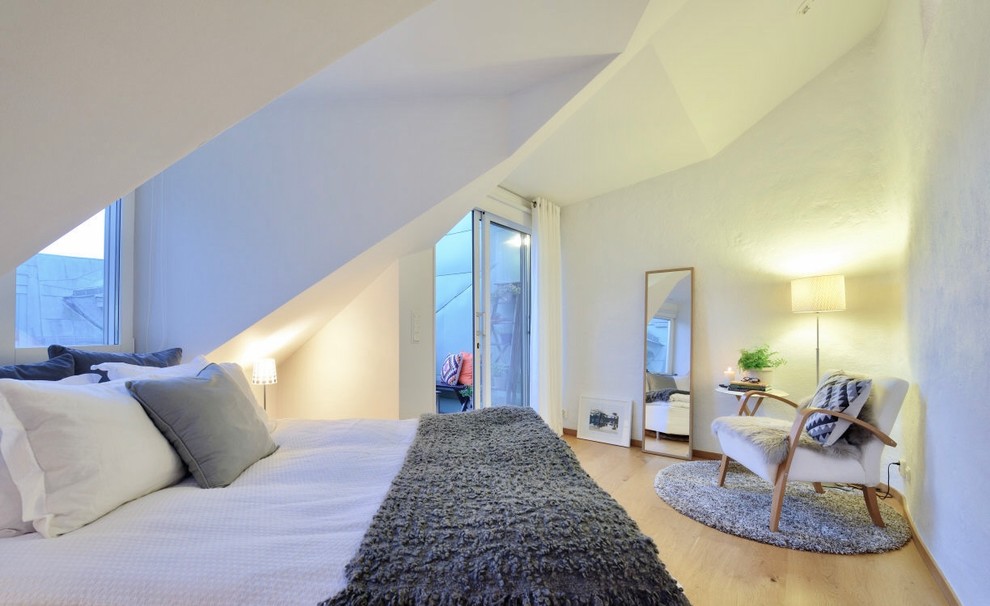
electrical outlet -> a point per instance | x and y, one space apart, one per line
564 412
904 469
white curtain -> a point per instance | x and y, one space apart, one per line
547 344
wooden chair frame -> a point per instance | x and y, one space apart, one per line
780 481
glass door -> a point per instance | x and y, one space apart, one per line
503 348
482 314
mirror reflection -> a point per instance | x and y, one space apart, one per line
667 362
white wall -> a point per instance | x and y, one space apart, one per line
280 201
800 194
383 315
941 110
416 336
350 368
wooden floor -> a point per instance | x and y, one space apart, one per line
717 569
665 446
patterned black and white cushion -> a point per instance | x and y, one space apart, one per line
840 393
451 369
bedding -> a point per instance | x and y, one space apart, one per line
671 418
667 395
516 521
280 534
655 382
284 530
76 452
668 411
58 367
11 523
209 422
84 360
116 371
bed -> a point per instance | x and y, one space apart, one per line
667 402
670 417
469 508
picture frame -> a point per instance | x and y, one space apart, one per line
605 420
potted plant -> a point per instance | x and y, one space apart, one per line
759 362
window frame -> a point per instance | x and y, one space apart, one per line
123 267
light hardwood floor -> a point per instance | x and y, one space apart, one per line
717 569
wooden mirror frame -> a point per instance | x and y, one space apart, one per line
656 444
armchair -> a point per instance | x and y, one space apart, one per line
780 451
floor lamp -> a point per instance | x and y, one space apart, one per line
264 374
816 295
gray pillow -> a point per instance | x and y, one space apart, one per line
656 382
209 421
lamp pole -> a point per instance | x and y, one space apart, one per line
818 371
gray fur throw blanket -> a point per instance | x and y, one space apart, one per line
490 507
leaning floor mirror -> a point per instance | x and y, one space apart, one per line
667 362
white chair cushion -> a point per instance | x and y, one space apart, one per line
807 466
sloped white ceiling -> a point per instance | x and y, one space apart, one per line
349 169
479 47
581 97
97 97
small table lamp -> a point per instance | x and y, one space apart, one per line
264 374
815 295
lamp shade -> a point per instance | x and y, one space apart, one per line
264 372
818 293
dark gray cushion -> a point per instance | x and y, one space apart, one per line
54 369
209 421
84 360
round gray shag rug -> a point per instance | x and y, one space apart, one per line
834 522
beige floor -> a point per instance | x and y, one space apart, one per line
718 569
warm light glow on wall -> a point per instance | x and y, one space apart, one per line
270 345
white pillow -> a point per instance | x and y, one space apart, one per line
122 370
84 379
11 523
77 452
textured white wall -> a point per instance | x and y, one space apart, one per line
942 106
800 194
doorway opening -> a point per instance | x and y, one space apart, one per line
482 310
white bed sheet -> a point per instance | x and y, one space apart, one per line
672 417
280 534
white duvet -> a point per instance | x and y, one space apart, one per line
280 534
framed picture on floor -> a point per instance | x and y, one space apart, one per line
605 420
